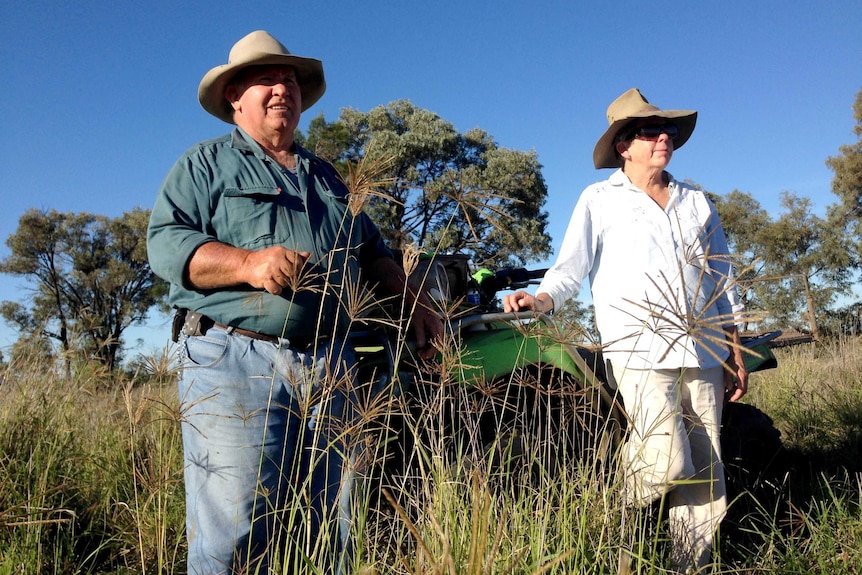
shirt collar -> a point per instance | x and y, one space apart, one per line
619 178
241 141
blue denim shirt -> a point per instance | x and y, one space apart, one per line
229 190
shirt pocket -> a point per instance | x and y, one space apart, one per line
331 215
332 191
250 215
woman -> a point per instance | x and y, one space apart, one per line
662 286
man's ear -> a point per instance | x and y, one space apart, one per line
232 95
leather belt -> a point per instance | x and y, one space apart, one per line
194 323
231 329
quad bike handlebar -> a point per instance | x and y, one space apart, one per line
512 279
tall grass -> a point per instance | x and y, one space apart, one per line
816 396
90 470
807 517
90 482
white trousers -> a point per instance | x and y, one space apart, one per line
674 449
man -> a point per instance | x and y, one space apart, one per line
662 285
264 257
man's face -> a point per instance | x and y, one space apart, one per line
266 100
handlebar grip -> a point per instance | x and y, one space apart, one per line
509 278
536 274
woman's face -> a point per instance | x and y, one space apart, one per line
649 143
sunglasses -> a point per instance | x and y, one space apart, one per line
654 131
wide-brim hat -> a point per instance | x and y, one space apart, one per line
257 49
633 106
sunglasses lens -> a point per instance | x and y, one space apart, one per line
653 132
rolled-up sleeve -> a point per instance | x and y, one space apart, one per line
178 223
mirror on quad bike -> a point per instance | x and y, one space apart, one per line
447 277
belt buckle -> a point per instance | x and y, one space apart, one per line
195 323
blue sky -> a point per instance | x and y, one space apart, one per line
101 97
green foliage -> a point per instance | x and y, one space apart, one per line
792 266
89 279
814 524
847 182
817 396
444 190
796 266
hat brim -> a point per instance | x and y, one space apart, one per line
604 155
309 71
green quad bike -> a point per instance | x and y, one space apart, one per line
511 395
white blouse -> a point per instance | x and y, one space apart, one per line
661 280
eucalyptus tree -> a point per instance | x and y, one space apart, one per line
87 280
847 181
792 267
439 189
744 222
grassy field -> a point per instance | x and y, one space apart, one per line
91 482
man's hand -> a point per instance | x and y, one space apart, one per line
215 265
428 328
274 268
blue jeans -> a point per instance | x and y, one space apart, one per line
265 431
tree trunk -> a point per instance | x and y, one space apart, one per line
812 315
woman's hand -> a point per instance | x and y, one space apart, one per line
521 300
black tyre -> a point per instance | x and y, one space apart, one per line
754 456
756 467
